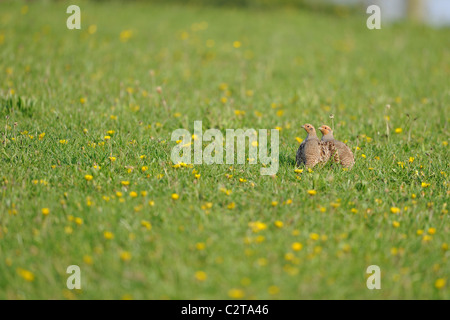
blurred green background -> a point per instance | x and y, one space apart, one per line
86 176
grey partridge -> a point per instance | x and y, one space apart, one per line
344 154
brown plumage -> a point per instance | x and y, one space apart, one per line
344 155
313 151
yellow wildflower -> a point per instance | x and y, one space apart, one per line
25 274
440 283
201 275
395 210
200 246
108 235
133 194
146 224
273 290
314 236
125 256
236 293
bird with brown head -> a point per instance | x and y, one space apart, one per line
344 154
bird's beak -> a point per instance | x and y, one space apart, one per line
303 126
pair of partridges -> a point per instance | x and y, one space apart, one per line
313 151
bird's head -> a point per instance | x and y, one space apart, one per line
325 130
309 128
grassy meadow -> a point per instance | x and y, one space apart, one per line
86 179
